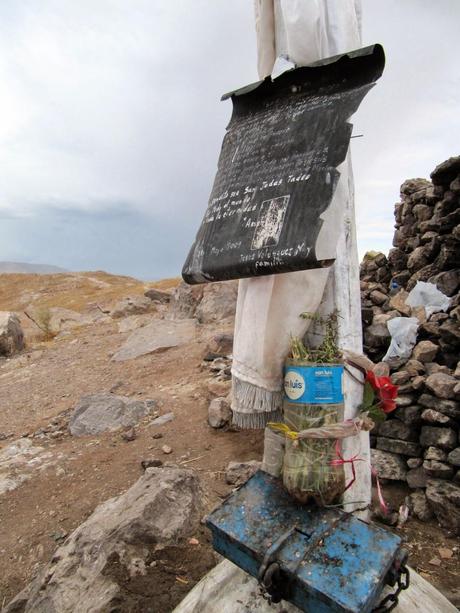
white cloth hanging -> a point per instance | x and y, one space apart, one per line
268 308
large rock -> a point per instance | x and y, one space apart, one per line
454 457
218 302
438 470
401 447
11 334
109 562
444 499
102 412
388 465
419 506
133 305
444 438
442 385
425 351
184 301
393 428
160 335
446 172
448 407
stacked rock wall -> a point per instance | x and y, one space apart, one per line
419 443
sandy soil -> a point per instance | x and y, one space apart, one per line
37 391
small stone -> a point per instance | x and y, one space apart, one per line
441 385
157 435
410 415
418 383
401 377
424 351
454 457
238 473
414 367
433 453
129 435
445 438
162 419
445 554
219 413
378 298
414 462
166 449
151 464
435 562
193 541
404 401
432 368
438 470
435 417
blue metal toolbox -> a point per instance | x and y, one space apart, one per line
321 560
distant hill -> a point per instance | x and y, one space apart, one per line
21 267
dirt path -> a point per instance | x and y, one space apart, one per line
70 476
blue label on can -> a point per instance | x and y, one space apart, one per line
314 384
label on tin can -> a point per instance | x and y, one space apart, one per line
314 384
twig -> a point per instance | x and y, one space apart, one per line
193 459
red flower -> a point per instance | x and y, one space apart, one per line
386 391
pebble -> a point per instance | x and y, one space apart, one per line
166 449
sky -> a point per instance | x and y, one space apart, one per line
111 122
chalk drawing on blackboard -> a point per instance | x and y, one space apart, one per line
270 222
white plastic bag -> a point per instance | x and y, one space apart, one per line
403 332
428 296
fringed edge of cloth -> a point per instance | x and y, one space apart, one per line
253 407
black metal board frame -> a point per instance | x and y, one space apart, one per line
277 170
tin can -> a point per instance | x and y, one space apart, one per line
313 398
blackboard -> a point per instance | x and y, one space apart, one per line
277 169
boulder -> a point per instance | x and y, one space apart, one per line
219 413
388 465
219 302
442 385
448 282
132 305
11 334
102 412
160 335
444 438
109 562
444 500
238 473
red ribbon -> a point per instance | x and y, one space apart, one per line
340 461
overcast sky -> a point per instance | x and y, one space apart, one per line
111 124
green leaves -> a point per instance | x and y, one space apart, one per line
368 405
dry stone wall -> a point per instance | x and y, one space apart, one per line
419 443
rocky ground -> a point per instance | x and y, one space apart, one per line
159 362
